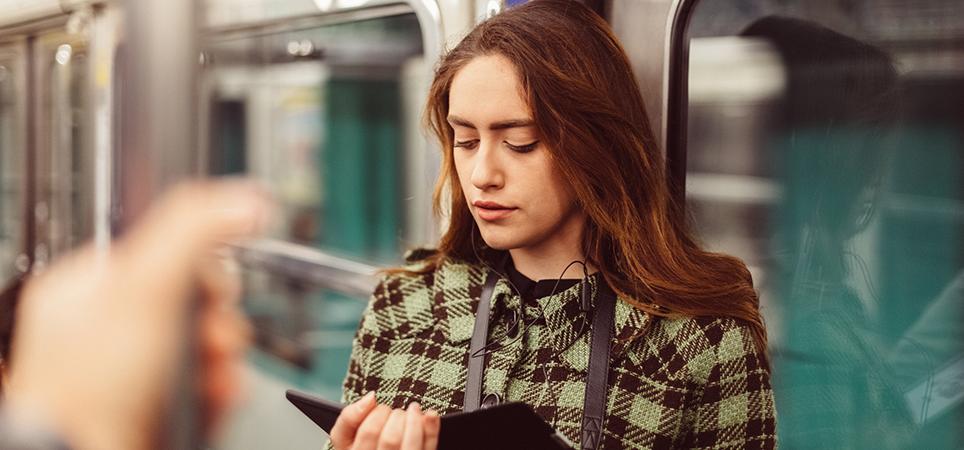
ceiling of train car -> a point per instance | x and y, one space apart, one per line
227 12
220 13
322 41
18 11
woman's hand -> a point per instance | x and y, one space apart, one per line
364 425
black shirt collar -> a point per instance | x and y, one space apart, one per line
534 290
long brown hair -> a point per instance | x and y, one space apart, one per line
588 110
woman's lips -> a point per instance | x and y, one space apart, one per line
491 211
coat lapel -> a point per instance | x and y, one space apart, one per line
458 286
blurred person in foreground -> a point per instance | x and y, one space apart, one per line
96 346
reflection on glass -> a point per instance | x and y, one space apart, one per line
318 115
831 160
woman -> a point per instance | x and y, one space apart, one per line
550 166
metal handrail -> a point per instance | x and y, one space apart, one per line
305 263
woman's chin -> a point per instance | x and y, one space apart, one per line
501 241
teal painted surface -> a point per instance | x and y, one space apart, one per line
362 169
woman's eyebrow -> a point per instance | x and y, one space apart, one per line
500 125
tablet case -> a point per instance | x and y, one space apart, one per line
509 426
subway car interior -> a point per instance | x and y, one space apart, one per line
820 141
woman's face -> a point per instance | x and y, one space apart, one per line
511 184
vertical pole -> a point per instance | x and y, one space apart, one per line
103 45
28 108
158 123
159 109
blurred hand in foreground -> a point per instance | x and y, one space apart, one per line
98 338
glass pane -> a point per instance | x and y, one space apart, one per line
324 116
319 116
67 177
826 149
12 165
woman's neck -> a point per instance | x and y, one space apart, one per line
546 267
547 260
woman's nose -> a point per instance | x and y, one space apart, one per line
487 173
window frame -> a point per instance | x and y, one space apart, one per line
677 99
321 268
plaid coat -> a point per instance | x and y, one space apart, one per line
691 382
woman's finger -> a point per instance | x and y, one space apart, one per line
371 428
414 429
433 425
391 438
346 426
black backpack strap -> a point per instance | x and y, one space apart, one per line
473 385
594 409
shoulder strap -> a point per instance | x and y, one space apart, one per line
473 385
594 409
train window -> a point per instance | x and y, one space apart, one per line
324 111
64 161
823 143
324 116
12 164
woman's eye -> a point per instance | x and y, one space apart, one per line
522 148
468 145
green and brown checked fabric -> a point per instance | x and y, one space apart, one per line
694 383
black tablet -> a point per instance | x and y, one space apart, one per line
513 426
322 412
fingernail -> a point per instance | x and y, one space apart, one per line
431 413
414 406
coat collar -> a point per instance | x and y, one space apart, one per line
458 286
